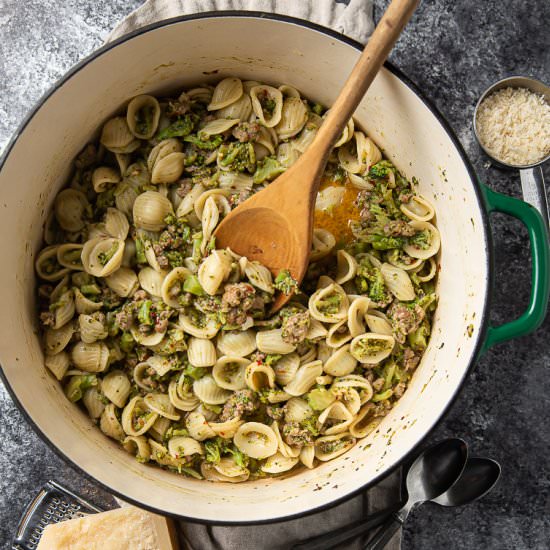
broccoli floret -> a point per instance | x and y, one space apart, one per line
215 448
104 257
206 144
240 157
420 240
194 372
268 169
271 359
285 283
318 109
369 280
377 290
144 313
127 342
105 199
311 425
418 340
239 457
381 170
382 242
181 127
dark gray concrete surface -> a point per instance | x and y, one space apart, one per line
453 50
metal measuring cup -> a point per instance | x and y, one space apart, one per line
532 179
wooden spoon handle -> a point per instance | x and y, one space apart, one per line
375 53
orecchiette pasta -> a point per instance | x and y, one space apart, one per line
169 343
256 440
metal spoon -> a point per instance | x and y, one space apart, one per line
432 473
532 179
477 479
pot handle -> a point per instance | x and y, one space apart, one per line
532 318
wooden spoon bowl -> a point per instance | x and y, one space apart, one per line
275 226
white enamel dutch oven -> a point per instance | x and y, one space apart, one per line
188 50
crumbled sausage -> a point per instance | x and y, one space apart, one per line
275 411
295 327
239 404
123 319
399 390
161 320
296 436
237 300
398 228
404 319
377 384
185 186
410 359
246 131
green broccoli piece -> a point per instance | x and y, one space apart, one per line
271 359
318 109
78 384
320 398
238 156
418 340
369 280
104 257
181 127
194 372
144 313
377 291
105 199
420 240
140 252
377 397
311 425
192 285
285 283
206 144
239 457
381 170
382 242
268 169
215 448
127 342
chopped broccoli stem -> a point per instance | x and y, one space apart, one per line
144 313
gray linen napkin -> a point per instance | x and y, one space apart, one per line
353 18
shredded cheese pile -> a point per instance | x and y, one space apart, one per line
513 124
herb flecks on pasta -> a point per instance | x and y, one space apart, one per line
167 341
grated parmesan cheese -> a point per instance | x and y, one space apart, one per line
513 124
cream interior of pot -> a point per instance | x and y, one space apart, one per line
188 52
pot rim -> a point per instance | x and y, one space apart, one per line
481 334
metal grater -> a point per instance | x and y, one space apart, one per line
52 504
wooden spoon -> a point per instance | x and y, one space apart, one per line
275 226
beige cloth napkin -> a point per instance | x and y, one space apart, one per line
354 19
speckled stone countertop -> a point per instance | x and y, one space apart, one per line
453 50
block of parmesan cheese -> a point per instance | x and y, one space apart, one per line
125 528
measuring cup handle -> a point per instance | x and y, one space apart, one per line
534 192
